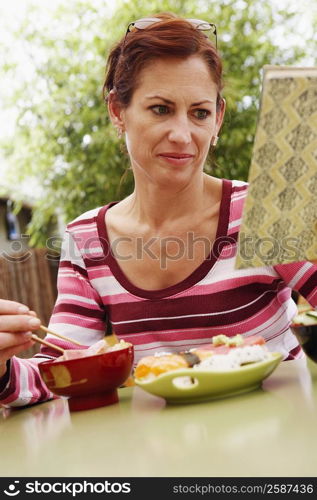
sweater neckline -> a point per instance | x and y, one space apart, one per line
197 275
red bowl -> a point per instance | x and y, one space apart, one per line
89 382
307 337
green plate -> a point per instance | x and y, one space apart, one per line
202 385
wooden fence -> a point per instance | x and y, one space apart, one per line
30 278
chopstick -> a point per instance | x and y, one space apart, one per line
48 344
44 329
111 339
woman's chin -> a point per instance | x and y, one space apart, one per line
174 179
167 176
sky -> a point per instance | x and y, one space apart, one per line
12 11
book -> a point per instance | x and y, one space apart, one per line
279 221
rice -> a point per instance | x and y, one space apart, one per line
234 359
100 347
116 347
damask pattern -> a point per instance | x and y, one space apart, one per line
293 169
255 216
312 185
280 214
279 87
281 228
287 199
274 121
262 185
268 154
300 136
307 102
310 212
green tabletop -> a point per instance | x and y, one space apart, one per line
270 432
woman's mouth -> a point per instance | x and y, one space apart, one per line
176 158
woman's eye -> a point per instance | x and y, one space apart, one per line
160 109
201 114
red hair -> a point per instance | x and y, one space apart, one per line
172 37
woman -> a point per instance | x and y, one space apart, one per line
158 266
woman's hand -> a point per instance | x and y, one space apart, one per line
16 325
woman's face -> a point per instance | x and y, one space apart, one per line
170 120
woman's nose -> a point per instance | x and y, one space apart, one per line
180 131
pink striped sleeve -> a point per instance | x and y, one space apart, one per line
78 313
25 385
302 277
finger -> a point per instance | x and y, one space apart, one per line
32 313
18 323
12 307
8 339
14 351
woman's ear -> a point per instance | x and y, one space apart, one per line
115 111
220 114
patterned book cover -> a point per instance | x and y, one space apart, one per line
279 223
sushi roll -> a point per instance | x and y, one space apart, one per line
223 353
152 366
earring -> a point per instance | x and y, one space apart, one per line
119 132
214 140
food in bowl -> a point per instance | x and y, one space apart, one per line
306 318
90 377
99 347
223 354
228 366
304 327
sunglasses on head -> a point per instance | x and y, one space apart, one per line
146 22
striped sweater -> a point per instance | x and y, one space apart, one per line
215 299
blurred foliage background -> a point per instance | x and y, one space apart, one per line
63 138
